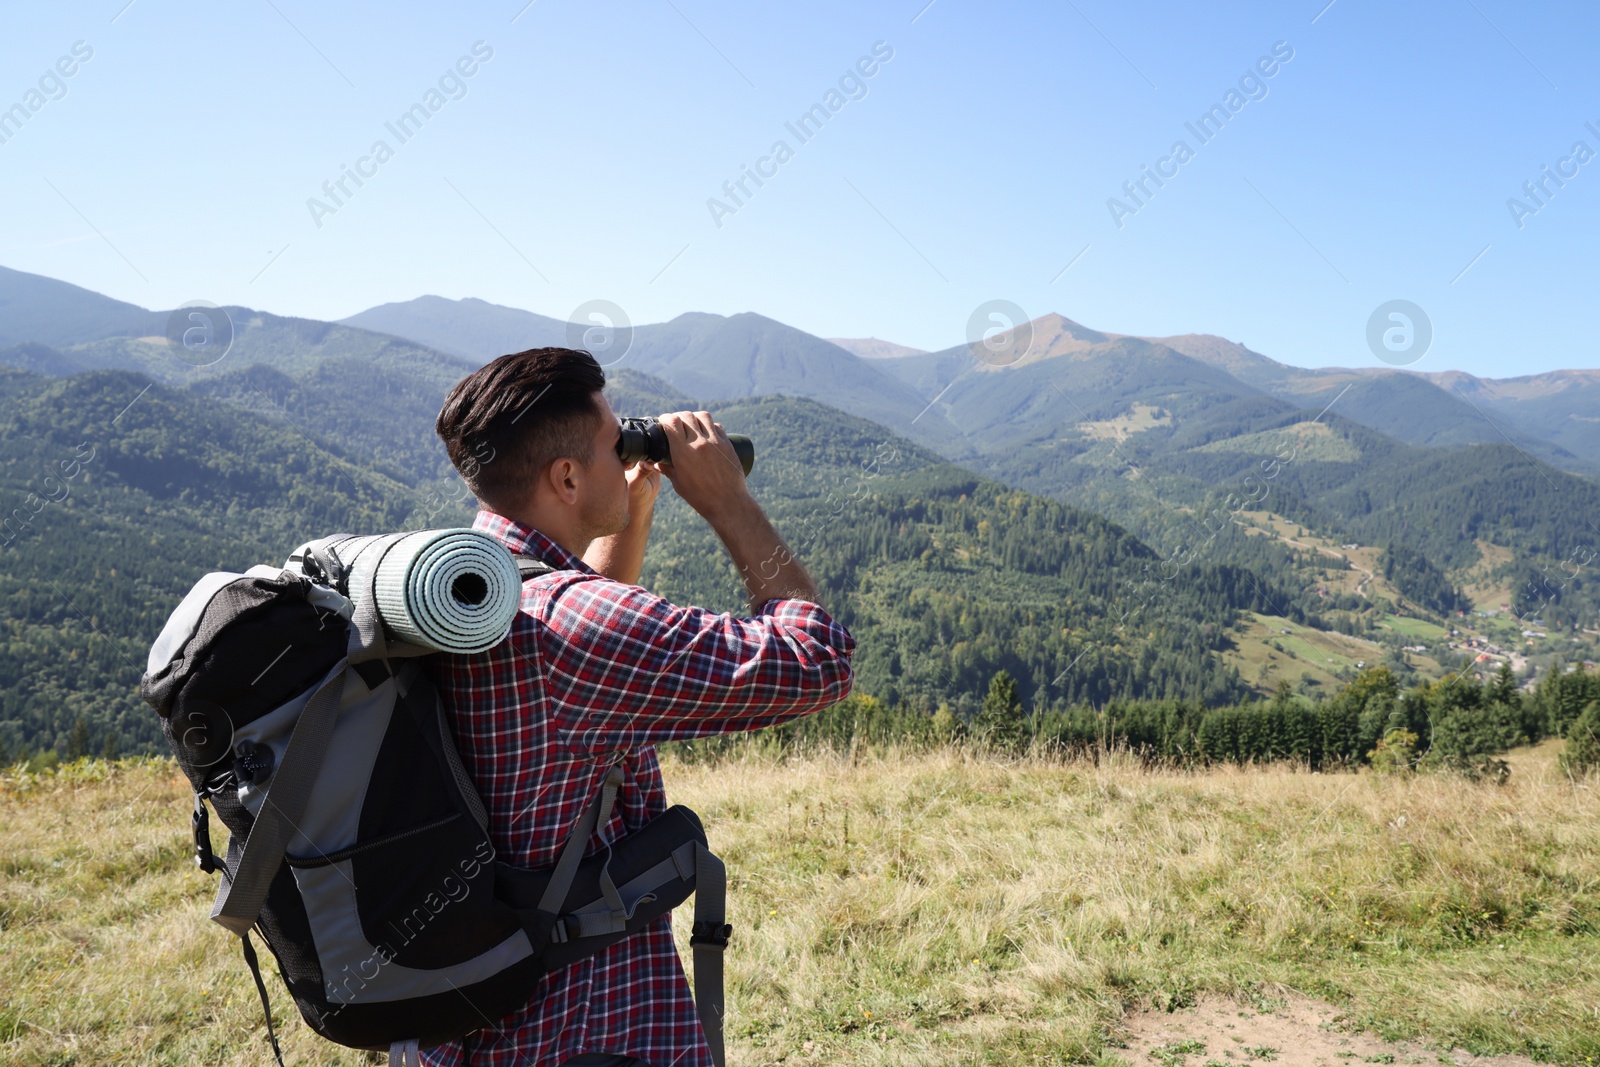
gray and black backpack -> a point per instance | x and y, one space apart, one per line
359 848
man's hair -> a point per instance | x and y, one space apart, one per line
505 423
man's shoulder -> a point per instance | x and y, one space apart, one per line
547 583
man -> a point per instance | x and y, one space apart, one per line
596 671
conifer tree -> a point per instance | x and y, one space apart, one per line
1582 752
1000 723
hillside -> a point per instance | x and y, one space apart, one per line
1540 413
54 313
288 345
1227 503
140 489
873 348
1560 408
1071 377
751 355
1161 442
368 397
943 576
713 355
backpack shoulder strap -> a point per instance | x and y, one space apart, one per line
531 566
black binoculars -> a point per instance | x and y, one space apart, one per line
645 439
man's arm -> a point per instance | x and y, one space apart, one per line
623 667
769 569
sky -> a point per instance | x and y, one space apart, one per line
983 158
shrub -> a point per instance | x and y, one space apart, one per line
1465 732
1582 753
946 728
1396 752
1562 697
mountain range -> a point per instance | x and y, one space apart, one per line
1145 430
746 354
1106 516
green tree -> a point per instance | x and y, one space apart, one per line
1000 722
1503 690
1396 752
1582 753
78 741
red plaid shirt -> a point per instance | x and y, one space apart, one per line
595 672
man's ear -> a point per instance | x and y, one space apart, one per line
562 479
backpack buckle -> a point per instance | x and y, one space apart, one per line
323 566
711 934
204 858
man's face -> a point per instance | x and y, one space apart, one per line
603 499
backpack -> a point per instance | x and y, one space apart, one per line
359 848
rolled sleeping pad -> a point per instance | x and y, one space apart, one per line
447 590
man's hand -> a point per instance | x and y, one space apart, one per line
644 483
706 472
704 468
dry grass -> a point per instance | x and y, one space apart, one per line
925 909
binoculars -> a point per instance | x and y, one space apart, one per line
645 439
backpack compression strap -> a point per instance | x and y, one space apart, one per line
710 933
708 939
596 816
244 889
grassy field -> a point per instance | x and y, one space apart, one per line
933 909
1136 419
1421 629
1311 441
1265 654
1482 583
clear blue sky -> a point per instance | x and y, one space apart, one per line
978 164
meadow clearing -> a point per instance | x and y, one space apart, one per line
937 908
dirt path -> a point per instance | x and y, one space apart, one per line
1360 586
1300 1032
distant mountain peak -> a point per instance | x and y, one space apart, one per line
60 314
1062 326
470 328
1524 387
1219 352
874 348
1054 336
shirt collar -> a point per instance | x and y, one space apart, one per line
525 540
